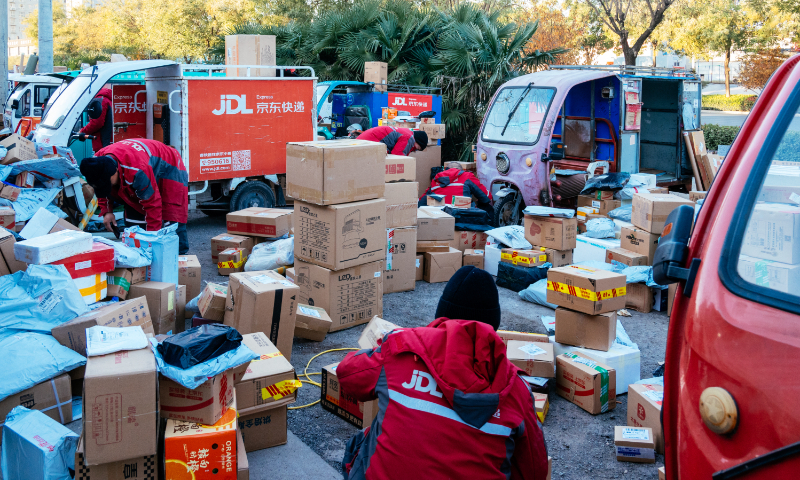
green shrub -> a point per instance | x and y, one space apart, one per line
716 135
734 103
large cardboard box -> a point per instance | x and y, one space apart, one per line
473 257
400 168
340 236
377 73
351 296
161 300
139 468
204 451
535 358
335 400
264 428
120 411
250 50
639 241
773 233
312 323
634 444
8 262
435 131
586 383
327 173
427 159
401 260
52 397
586 289
225 241
649 211
19 149
603 206
374 331
587 331
639 297
259 222
440 266
401 204
549 232
644 410
189 274
626 257
465 240
266 382
212 302
205 404
263 302
434 224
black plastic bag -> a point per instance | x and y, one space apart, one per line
606 181
199 344
470 219
516 278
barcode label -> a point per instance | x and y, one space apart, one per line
48 301
82 265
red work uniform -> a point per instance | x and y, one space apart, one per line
398 141
451 405
152 180
102 127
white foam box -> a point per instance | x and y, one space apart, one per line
626 361
648 179
588 248
491 258
53 247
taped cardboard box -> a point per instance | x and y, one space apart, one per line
209 451
92 288
506 335
259 222
351 296
424 246
548 232
420 268
662 473
9 192
457 201
120 411
25 180
250 50
377 73
139 468
639 297
474 258
400 168
401 204
327 173
586 383
335 400
212 302
535 358
8 262
625 257
634 444
763 240
587 331
541 402
639 241
230 261
340 236
435 131
266 382
400 260
19 149
242 465
119 283
427 159
695 195
644 410
558 258
8 218
190 274
312 323
440 266
470 240
205 404
374 331
434 224
264 429
225 241
603 206
585 289
626 361
435 200
523 258
649 211
52 397
161 300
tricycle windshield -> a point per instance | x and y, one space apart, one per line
516 119
60 107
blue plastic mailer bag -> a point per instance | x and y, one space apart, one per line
30 358
537 293
549 212
36 447
38 299
163 244
128 257
197 375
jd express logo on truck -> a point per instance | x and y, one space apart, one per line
226 108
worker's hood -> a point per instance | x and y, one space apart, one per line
105 92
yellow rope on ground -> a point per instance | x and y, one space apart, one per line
308 378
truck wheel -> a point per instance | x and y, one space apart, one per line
504 212
252 194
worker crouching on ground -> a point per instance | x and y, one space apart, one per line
451 405
148 178
398 141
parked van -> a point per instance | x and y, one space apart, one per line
28 99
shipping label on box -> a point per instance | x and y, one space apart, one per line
434 224
205 404
587 331
585 289
639 241
649 211
338 402
634 444
644 410
400 260
225 241
523 258
401 204
259 222
548 232
625 257
535 358
586 383
400 168
441 266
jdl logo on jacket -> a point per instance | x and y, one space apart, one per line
416 383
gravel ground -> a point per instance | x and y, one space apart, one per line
582 445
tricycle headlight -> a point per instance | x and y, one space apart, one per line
503 163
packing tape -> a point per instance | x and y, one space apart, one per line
603 378
96 289
585 293
231 264
58 404
120 282
267 356
517 259
280 389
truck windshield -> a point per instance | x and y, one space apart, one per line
525 124
59 107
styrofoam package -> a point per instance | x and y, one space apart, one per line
52 247
40 224
625 360
588 248
93 288
491 258
647 178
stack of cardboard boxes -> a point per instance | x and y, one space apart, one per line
435 235
401 223
246 229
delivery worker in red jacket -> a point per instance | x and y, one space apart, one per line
102 127
148 178
450 404
454 181
398 141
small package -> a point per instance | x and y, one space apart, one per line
541 402
523 258
231 260
199 345
551 232
189 274
639 241
649 211
634 444
9 192
105 340
225 241
264 428
435 200
53 247
400 169
205 404
586 289
8 218
25 180
162 301
640 297
506 335
93 288
36 447
19 149
164 246
465 240
375 330
424 246
535 358
434 224
644 410
625 257
435 131
212 301
267 382
259 222
603 206
196 451
457 201
557 258
586 383
440 266
474 258
119 283
338 402
312 323
587 331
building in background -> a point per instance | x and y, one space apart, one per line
18 41
71 4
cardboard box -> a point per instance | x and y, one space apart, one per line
457 201
263 302
424 246
626 257
190 274
435 131
548 232
205 404
204 451
644 410
19 149
469 240
259 222
120 411
634 444
242 465
586 383
639 297
9 192
400 168
401 204
180 309
535 358
585 289
129 313
773 233
8 218
694 196
351 296
290 275
8 262
230 261
523 258
671 297
649 211
587 331
558 258
139 468
212 301
639 241
434 224
312 323
473 257
374 331
662 473
400 260
541 403
250 50
52 397
272 371
25 180
603 206
264 429
119 283
420 268
340 236
506 335
327 173
770 193
377 73
440 266
435 200
92 288
162 304
466 166
427 159
335 400
225 241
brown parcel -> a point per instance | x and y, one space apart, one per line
338 402
8 218
535 358
548 232
626 257
242 465
128 313
695 195
340 236
225 241
662 473
231 260
10 192
11 263
469 240
434 224
19 149
312 323
644 410
400 260
435 201
264 428
434 246
119 283
260 222
586 331
375 330
205 404
639 297
180 309
634 444
327 173
523 258
604 206
581 384
290 275
139 468
251 379
120 408
649 210
52 397
506 335
440 266
263 302
189 274
351 297
162 304
401 204
435 131
639 241
585 289
427 159
474 258
212 302
420 268
377 73
558 258
400 168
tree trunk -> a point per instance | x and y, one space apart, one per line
654 47
728 72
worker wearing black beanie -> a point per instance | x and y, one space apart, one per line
470 295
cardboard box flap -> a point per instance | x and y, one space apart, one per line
264 281
272 362
375 329
584 363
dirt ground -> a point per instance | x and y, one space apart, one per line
582 445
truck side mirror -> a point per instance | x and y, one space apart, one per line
556 151
673 247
